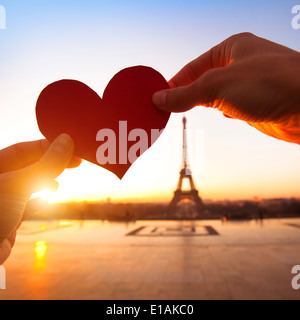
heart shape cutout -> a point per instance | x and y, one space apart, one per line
111 132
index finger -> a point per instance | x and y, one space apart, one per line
22 154
221 55
192 71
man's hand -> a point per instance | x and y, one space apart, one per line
247 78
26 168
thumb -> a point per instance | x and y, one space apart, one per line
175 100
52 164
203 91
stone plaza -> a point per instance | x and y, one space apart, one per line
154 260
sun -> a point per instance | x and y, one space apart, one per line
46 195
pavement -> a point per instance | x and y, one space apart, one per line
159 260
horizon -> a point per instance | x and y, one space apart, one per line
109 200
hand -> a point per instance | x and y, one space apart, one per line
26 168
247 78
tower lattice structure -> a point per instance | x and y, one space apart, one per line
185 173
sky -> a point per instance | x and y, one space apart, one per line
91 40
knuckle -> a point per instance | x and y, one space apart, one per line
177 99
242 35
211 76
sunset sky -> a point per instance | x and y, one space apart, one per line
91 40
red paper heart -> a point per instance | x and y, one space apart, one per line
71 107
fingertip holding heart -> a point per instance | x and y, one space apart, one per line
112 132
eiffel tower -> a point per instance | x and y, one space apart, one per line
185 173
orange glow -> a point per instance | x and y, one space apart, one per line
40 250
224 165
64 223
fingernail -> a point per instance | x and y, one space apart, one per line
160 99
63 143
